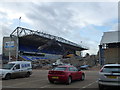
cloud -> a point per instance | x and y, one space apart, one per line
72 21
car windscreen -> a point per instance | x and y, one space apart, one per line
8 66
111 69
60 68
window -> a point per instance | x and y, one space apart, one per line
17 66
73 69
113 69
60 68
8 66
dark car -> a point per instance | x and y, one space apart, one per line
65 74
35 66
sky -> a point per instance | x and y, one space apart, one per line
80 22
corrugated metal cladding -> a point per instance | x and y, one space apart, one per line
110 37
111 47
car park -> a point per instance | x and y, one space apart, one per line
109 75
65 74
16 69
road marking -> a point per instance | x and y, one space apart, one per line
89 84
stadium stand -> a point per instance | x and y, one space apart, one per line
30 45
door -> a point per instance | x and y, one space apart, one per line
73 72
24 68
77 73
16 71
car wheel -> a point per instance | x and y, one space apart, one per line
83 77
101 87
69 80
27 74
7 77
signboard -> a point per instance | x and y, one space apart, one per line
9 44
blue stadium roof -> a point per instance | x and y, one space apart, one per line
23 32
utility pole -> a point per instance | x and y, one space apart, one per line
9 51
17 41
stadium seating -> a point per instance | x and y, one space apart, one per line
27 48
50 50
32 58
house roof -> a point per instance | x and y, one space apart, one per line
110 37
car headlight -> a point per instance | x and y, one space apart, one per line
1 74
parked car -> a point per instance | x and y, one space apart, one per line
65 74
109 75
35 66
86 67
16 69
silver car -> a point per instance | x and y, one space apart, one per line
109 75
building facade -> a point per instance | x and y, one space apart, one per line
109 48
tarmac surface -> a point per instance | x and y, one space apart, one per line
39 81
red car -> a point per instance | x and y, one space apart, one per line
65 74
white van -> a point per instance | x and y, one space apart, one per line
16 69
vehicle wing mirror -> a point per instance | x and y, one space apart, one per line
14 68
79 69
